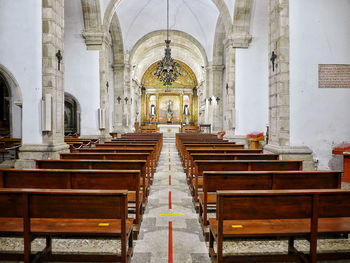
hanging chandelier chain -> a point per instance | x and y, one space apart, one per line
168 69
167 21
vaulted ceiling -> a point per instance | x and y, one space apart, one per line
197 18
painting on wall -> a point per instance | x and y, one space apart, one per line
169 109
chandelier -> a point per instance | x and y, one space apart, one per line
168 69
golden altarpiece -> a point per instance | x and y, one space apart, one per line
177 106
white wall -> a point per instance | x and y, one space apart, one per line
252 75
81 68
21 54
320 34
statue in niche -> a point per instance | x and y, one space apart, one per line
170 112
187 114
152 113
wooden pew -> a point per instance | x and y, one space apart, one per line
244 165
224 156
114 156
208 146
190 129
131 146
78 179
192 150
99 165
279 213
152 143
148 129
31 213
265 180
123 150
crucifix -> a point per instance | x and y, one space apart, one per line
59 58
273 59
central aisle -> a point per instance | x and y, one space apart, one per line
170 231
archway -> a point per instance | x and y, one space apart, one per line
10 105
4 108
177 106
71 115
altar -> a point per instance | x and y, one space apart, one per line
169 130
169 106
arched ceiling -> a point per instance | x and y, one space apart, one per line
197 18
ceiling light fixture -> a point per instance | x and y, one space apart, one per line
168 69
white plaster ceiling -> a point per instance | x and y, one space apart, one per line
195 17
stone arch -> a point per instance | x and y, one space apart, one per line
220 4
218 48
92 14
145 51
16 102
241 23
117 40
72 111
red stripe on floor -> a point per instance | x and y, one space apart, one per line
169 179
170 248
169 167
169 199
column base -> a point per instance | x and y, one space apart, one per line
293 153
28 153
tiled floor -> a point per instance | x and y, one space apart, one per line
188 241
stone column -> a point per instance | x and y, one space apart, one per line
217 78
53 84
229 114
279 95
100 39
118 97
104 76
210 114
127 94
279 78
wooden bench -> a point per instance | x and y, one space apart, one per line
279 213
266 180
155 154
192 150
224 156
244 165
78 179
139 165
113 156
149 150
123 142
148 129
32 213
222 146
209 145
190 129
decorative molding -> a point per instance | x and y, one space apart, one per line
238 41
94 39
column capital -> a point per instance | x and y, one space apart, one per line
118 66
95 39
216 67
238 40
